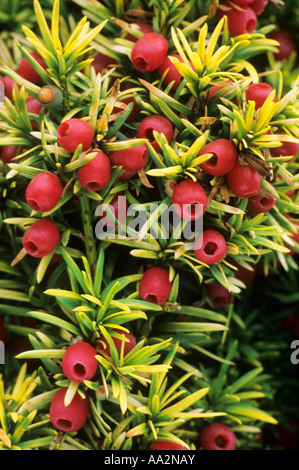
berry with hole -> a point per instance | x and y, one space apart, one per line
211 247
224 157
74 132
258 92
243 181
95 174
239 22
218 294
41 238
79 362
132 159
155 286
189 199
259 204
160 124
69 418
149 52
43 192
287 149
217 436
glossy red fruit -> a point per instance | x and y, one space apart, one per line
119 207
160 124
4 336
132 159
134 111
34 107
43 192
286 44
287 149
189 199
167 445
9 152
172 75
69 418
211 247
102 62
258 92
149 52
41 238
258 6
218 294
27 71
239 22
155 286
9 85
243 274
243 181
79 362
73 132
128 345
96 173
216 89
217 436
143 27
260 204
224 157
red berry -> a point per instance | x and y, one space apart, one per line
159 124
126 174
243 2
96 173
9 152
258 6
4 337
243 274
172 72
167 445
102 62
43 192
258 92
119 207
132 159
41 238
8 86
286 44
68 418
128 345
287 149
143 27
26 71
243 181
73 132
260 204
218 88
155 286
189 199
239 22
149 52
134 111
211 247
218 294
79 362
224 157
217 436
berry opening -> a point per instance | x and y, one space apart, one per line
264 202
34 205
92 186
64 424
151 298
193 209
250 26
140 64
149 134
31 247
221 441
64 129
210 248
213 160
79 369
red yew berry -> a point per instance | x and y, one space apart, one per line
260 204
156 123
287 149
286 44
149 52
243 274
43 192
211 247
172 75
73 132
28 72
134 111
8 86
189 199
224 157
79 362
69 418
217 436
34 107
9 152
96 173
243 181
128 345
239 22
155 286
167 445
218 294
119 207
132 159
143 27
258 92
212 91
102 62
258 6
41 238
